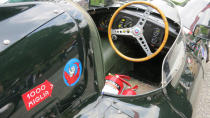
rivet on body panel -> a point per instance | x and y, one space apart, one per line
119 112
149 98
6 42
55 11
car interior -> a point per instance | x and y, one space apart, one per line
146 74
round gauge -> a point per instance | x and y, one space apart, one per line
125 22
103 23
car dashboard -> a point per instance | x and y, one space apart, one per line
153 29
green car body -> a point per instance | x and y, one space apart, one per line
38 39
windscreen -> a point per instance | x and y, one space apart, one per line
166 6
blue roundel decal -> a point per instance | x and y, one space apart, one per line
72 72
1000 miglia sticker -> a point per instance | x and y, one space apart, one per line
72 72
38 94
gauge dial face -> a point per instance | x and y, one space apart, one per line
125 22
103 23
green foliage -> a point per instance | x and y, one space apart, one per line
203 30
183 3
97 2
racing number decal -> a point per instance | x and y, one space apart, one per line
37 95
72 72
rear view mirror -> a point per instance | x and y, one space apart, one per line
202 31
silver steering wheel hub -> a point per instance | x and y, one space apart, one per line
137 31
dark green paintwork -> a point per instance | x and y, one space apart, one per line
41 55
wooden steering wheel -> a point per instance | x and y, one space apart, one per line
137 32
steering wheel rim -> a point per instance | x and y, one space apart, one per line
149 56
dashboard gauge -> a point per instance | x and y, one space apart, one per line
103 23
156 35
125 22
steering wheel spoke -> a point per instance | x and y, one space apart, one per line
144 18
122 31
141 40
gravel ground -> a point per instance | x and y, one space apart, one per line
202 106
